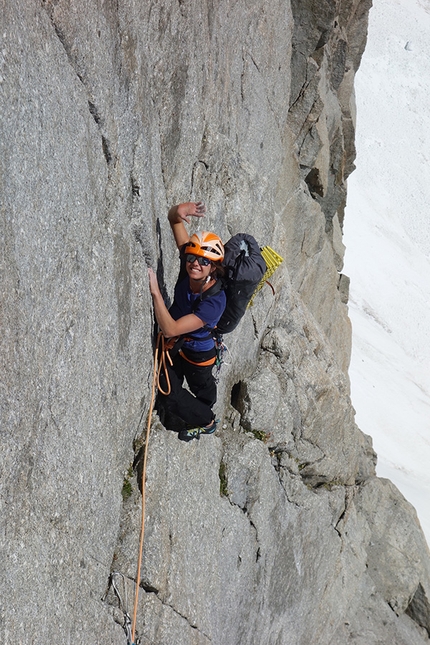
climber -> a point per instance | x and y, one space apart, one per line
189 321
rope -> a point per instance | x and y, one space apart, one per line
161 351
161 367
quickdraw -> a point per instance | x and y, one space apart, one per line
122 606
221 351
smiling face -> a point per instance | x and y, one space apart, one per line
198 272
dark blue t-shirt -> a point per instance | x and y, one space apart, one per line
209 310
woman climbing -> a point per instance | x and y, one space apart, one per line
199 302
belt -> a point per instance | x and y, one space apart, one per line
211 361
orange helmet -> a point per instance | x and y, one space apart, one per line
207 245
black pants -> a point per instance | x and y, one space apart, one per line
194 409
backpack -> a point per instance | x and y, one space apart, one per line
244 268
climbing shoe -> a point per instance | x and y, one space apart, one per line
210 429
194 433
189 435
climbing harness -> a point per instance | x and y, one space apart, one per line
210 361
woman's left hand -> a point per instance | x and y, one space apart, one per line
153 282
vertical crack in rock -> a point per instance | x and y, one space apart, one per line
242 80
106 150
94 112
244 510
62 38
106 146
349 496
286 467
258 550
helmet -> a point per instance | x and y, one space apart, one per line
206 244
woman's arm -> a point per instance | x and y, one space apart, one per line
168 325
179 214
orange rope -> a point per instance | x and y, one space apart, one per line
159 364
162 363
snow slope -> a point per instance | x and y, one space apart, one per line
387 237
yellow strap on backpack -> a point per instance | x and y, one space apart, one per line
272 260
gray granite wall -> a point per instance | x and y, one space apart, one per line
275 530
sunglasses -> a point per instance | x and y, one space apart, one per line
192 258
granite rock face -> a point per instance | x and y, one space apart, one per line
275 529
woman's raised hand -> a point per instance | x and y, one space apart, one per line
189 209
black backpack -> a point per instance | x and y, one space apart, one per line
245 267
